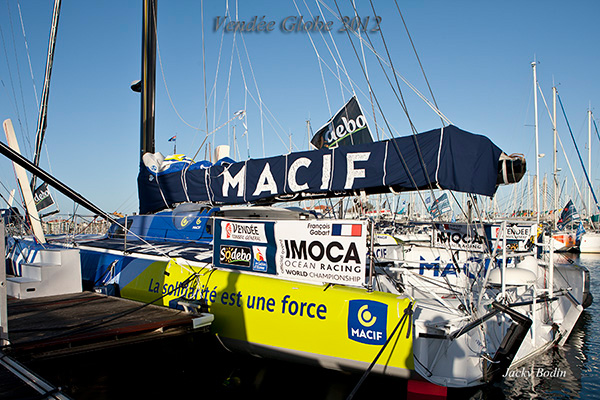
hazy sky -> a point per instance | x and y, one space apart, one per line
476 55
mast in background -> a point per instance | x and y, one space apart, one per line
589 202
537 146
554 154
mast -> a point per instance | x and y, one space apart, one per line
537 146
555 154
148 81
43 111
589 202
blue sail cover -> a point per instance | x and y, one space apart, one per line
462 161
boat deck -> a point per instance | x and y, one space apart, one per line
194 251
73 323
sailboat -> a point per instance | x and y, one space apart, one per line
282 283
590 240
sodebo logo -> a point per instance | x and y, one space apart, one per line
367 321
347 127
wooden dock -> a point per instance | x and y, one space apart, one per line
69 324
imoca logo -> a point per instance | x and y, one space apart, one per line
367 321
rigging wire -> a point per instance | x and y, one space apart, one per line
12 33
406 82
260 101
362 50
416 55
213 92
28 56
318 58
579 154
204 64
454 261
14 95
341 65
411 177
561 144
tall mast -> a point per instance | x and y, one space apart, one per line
43 111
148 81
589 202
537 146
555 173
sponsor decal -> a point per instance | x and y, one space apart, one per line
42 197
367 322
514 232
198 223
321 251
458 239
259 261
235 255
184 221
244 231
347 127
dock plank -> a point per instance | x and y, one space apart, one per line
87 321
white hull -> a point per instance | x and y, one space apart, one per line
429 273
590 243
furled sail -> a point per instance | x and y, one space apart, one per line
447 158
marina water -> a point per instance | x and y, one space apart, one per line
195 367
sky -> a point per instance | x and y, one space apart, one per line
476 57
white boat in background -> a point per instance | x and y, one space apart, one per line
590 242
564 241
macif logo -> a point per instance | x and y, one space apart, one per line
367 321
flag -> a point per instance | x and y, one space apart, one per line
346 229
42 197
580 232
569 214
403 210
440 206
173 138
347 127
